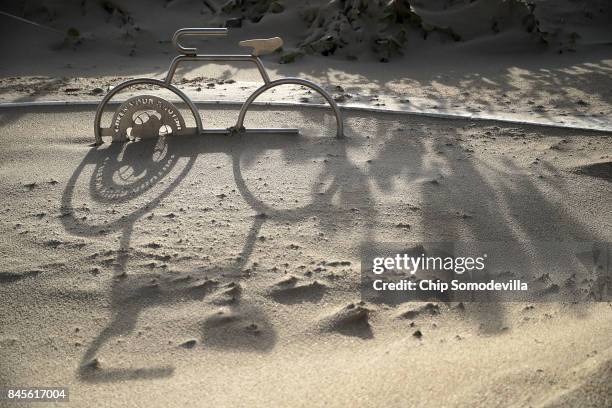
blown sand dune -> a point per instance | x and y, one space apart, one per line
226 270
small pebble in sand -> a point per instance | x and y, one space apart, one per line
94 364
188 344
252 328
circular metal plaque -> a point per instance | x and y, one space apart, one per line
146 117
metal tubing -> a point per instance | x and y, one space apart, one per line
190 54
257 131
150 81
201 32
296 81
212 57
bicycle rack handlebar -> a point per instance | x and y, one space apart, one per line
201 32
191 54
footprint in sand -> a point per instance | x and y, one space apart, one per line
228 294
430 309
245 328
351 320
290 291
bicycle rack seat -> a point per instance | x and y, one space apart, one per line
149 116
263 46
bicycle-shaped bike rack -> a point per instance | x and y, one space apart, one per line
148 116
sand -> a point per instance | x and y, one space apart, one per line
225 271
214 283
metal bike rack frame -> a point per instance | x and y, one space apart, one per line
190 55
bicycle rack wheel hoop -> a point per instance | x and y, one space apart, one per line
291 81
145 116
